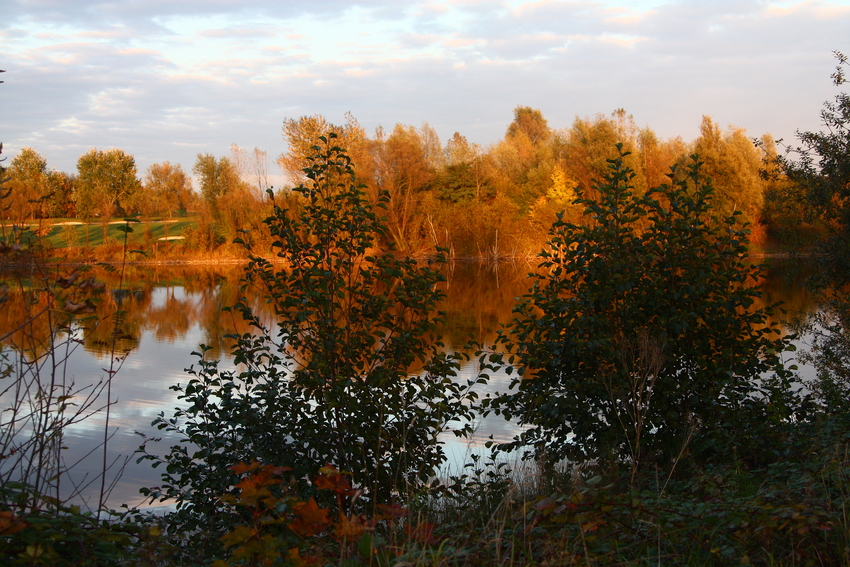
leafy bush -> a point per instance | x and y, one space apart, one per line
640 338
285 529
350 371
56 534
202 237
821 174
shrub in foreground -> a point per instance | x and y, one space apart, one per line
348 371
641 338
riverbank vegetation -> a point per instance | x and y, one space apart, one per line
475 202
663 425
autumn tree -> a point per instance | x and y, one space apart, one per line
237 205
406 164
217 177
464 170
61 194
29 196
301 134
584 149
169 189
789 216
656 156
457 183
733 163
481 199
559 200
106 182
525 158
529 123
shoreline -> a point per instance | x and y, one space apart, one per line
227 261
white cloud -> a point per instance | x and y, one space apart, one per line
167 80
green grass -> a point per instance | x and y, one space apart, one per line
62 236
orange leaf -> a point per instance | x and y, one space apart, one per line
309 518
590 526
10 524
242 468
331 479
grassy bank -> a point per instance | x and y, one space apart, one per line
165 241
153 241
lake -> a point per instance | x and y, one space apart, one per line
171 310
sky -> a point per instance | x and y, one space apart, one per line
165 80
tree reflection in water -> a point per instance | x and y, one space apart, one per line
170 310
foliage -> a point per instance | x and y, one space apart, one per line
456 182
60 188
202 237
820 176
218 178
349 372
822 171
733 164
829 335
106 183
285 529
589 143
431 184
789 518
29 196
57 534
169 188
301 134
788 512
530 123
560 198
234 204
639 339
405 165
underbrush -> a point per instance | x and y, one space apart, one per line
792 511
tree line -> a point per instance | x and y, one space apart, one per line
473 201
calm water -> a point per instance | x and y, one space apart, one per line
170 311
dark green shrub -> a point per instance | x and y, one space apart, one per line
821 175
349 371
57 534
640 338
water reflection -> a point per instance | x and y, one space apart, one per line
150 322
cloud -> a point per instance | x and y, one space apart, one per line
246 32
166 80
94 13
